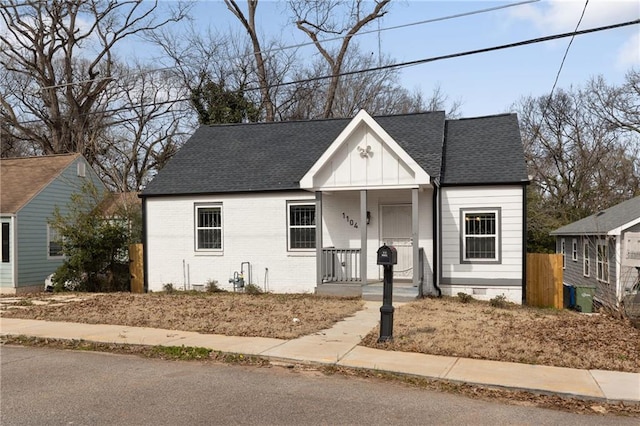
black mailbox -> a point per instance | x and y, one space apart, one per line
387 255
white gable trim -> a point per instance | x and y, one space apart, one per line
421 177
619 229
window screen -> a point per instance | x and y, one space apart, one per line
302 226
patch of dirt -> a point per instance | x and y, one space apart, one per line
283 316
516 333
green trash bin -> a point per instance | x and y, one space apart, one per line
584 297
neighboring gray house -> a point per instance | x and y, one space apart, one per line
603 250
30 189
303 206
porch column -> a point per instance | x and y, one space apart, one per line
415 236
319 260
363 236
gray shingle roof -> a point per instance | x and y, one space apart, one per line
275 156
484 150
604 221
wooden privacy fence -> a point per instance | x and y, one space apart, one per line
136 268
544 280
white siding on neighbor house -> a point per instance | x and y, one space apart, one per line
347 168
34 265
626 276
255 231
508 272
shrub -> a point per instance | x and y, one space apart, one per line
499 301
252 289
168 288
212 287
95 244
464 297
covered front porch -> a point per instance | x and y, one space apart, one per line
352 225
369 191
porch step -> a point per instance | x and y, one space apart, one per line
339 289
401 293
372 292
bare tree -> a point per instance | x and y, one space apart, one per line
328 17
59 59
150 121
619 106
249 24
201 59
580 162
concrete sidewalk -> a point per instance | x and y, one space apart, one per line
339 346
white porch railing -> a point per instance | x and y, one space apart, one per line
340 265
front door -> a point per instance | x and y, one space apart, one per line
396 231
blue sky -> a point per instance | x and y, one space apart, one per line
487 83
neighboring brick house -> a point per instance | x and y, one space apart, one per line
30 189
303 206
598 251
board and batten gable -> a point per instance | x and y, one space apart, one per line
484 280
34 264
254 229
365 159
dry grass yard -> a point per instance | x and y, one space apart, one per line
435 326
513 333
235 314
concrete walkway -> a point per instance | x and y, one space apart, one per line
339 346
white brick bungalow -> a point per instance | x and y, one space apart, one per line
303 206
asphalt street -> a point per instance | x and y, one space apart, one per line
55 387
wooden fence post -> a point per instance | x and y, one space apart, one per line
544 280
136 268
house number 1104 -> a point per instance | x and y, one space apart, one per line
350 221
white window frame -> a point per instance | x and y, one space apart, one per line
496 211
196 241
6 242
586 260
310 203
574 250
563 251
51 234
602 262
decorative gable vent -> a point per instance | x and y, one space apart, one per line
82 169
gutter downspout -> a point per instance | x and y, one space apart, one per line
524 242
436 235
145 244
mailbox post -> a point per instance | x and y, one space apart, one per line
387 257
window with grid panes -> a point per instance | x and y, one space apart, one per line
480 236
586 265
602 261
54 242
208 227
302 226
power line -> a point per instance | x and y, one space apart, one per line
584 9
465 53
296 46
409 63
396 27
